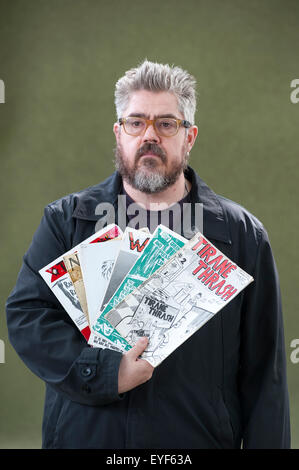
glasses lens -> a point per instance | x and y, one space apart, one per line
166 126
134 125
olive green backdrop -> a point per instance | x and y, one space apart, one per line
60 59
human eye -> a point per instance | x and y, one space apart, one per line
136 122
165 123
167 126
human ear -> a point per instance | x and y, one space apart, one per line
191 136
116 130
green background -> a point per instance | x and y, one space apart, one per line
59 61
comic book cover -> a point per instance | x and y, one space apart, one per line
132 245
179 298
97 261
72 264
163 244
58 280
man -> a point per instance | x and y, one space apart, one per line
226 386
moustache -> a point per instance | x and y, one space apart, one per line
150 148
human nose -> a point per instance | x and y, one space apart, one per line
150 133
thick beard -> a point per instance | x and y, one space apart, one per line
141 178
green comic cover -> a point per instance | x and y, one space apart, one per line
163 244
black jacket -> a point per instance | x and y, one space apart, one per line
225 384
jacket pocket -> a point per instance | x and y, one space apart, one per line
226 431
59 422
52 411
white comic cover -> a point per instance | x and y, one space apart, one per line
58 279
181 296
97 261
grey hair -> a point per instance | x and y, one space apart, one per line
156 77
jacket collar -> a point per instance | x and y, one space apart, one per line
215 224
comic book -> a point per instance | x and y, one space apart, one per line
97 261
179 298
163 244
72 264
58 280
132 245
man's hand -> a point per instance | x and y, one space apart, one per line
132 370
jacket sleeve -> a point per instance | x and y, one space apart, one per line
263 381
45 337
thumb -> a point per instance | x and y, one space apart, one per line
139 347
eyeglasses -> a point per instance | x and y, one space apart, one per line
165 127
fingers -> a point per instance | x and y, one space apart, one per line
133 371
139 347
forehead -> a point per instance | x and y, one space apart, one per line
152 104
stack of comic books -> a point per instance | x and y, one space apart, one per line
118 286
